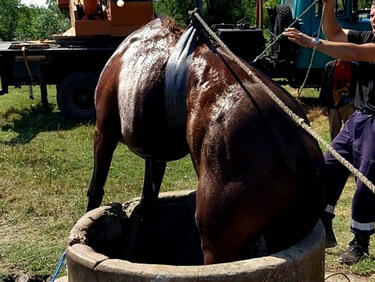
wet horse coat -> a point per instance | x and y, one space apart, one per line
258 172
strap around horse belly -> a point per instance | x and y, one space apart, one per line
176 76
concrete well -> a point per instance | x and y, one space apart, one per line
167 248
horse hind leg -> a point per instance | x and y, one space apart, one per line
105 142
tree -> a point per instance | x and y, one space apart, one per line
177 9
229 11
20 22
8 18
40 23
364 4
214 11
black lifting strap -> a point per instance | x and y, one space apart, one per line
176 76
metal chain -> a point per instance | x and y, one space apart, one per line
288 111
280 35
313 52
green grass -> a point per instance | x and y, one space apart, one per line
46 165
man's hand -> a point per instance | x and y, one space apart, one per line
298 37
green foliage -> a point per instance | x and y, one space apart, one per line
218 11
40 23
8 18
51 4
364 4
177 9
20 22
230 11
214 11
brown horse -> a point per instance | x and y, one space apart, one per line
259 172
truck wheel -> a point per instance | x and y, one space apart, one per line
283 49
75 96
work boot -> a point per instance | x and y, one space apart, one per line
357 250
330 236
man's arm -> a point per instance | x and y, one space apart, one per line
331 28
339 50
348 51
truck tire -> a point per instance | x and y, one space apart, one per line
75 96
283 49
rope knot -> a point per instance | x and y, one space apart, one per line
192 12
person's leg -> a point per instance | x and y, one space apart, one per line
336 173
346 111
336 177
363 212
334 122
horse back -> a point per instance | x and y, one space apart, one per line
134 79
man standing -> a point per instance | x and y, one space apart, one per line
356 141
337 93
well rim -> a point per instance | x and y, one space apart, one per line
288 260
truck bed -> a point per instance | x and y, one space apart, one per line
4 45
50 61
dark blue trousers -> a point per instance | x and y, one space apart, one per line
356 143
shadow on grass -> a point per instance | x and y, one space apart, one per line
309 103
28 122
23 277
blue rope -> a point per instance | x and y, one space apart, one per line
59 266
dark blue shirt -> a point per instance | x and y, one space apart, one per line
365 92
